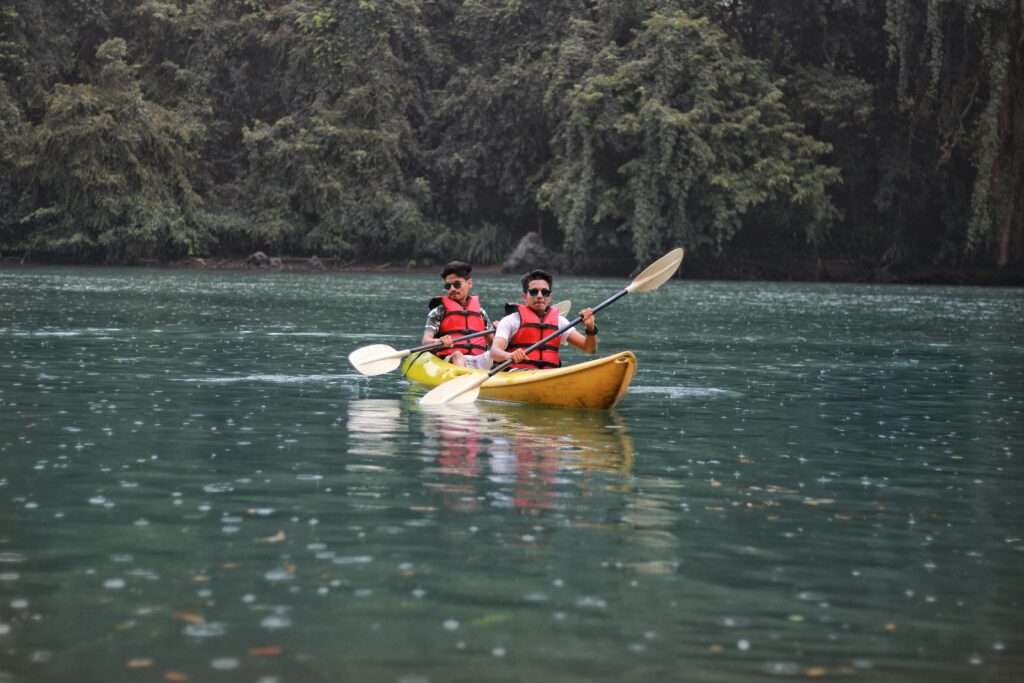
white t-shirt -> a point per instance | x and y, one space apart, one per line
509 325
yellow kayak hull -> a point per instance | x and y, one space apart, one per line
598 383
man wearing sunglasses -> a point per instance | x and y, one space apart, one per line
533 320
456 314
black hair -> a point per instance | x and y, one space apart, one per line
537 275
459 268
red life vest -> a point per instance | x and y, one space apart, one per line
531 330
458 321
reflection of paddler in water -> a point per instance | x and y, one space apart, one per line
525 447
529 465
459 441
458 436
374 425
541 442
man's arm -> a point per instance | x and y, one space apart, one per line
498 353
507 327
433 326
587 343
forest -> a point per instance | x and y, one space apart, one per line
879 135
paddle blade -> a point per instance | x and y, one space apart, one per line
375 359
658 273
563 307
463 389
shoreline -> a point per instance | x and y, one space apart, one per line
745 270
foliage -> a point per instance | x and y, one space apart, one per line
930 144
485 246
673 138
329 159
890 132
958 78
13 133
490 130
488 245
111 176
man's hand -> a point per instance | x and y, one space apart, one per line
446 340
588 318
518 356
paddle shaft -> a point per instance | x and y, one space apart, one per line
576 321
435 344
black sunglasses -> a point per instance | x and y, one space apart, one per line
457 285
535 291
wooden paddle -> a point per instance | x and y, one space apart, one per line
376 359
466 388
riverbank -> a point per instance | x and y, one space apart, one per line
743 269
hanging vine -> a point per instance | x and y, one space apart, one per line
935 32
960 84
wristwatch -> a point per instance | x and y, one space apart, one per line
590 333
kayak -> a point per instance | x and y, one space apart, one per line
598 383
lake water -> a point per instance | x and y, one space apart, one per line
804 480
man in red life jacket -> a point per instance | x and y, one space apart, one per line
456 314
535 320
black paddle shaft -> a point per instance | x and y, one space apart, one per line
607 302
435 344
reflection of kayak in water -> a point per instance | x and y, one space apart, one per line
598 383
485 430
578 439
560 437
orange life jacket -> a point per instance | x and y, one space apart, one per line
458 321
531 330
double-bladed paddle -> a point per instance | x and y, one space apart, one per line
376 359
465 388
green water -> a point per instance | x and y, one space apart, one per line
803 481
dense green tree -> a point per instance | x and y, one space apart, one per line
44 43
321 99
922 104
14 134
827 60
490 132
675 137
112 174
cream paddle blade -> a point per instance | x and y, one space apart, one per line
462 389
376 359
658 273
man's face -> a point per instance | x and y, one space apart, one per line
537 295
457 288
